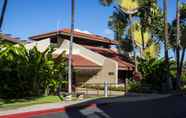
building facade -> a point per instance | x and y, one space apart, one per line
7 38
94 59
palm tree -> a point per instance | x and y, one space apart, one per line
177 44
149 48
179 27
183 32
3 13
118 22
130 7
166 37
165 2
106 2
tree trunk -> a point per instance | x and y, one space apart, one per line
133 43
178 76
117 37
143 43
165 32
169 83
182 60
179 70
3 13
46 91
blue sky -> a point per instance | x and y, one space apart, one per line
26 18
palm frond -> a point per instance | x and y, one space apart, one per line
106 2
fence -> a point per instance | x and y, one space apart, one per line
97 89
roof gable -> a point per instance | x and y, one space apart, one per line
9 38
67 32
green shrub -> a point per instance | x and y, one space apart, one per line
154 73
26 73
134 86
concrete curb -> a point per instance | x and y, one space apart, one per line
41 107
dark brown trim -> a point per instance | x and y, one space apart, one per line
53 34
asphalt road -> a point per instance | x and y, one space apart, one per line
170 107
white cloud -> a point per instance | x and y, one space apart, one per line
108 32
83 31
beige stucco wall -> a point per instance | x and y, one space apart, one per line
107 73
41 45
109 67
82 51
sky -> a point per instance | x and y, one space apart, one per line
25 18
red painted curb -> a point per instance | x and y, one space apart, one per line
34 113
43 112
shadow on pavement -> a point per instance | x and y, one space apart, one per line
169 107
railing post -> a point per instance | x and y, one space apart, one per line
126 85
86 87
110 86
106 89
97 88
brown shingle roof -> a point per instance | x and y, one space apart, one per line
9 38
123 65
66 31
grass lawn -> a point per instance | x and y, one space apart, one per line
16 103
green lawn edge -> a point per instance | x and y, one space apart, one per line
17 103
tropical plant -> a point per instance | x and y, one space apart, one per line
149 15
153 71
118 23
177 39
28 73
148 47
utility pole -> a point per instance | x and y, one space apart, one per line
178 43
71 46
3 13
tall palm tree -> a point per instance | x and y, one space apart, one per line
130 7
118 23
165 3
180 40
166 37
183 32
149 48
3 13
177 43
106 2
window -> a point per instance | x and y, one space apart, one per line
53 40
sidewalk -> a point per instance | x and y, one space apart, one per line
40 107
62 105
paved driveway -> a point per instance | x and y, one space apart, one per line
169 107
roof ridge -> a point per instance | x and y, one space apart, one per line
91 35
94 37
